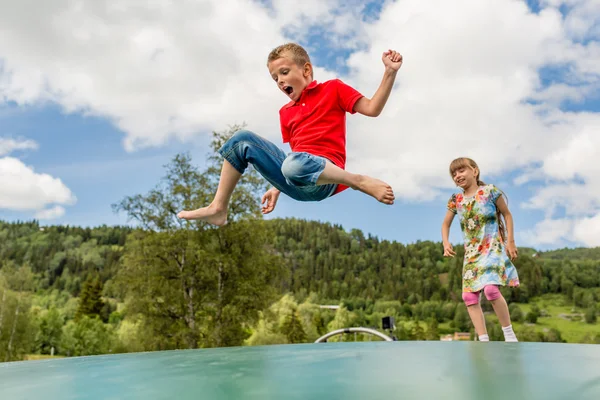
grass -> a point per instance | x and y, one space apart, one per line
555 309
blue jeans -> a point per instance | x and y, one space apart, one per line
295 175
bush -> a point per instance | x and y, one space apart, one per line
516 314
590 315
533 315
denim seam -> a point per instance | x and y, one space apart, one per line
315 176
232 161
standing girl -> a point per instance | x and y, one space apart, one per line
487 263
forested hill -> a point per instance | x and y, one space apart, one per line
325 259
318 257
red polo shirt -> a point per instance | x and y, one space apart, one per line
316 123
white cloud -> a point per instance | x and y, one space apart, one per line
23 189
50 213
8 145
549 232
161 72
155 70
461 90
584 231
573 172
587 231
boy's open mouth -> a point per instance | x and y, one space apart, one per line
288 89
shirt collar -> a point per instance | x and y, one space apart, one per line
310 86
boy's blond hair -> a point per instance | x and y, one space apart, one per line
295 51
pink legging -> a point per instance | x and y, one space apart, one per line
491 293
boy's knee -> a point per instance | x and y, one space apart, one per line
243 135
492 292
470 298
292 170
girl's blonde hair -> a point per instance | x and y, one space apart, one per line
464 162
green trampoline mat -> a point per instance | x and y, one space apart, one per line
368 370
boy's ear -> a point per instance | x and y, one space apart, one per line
307 71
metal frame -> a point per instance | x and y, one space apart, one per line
352 330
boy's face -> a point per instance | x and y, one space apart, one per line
290 78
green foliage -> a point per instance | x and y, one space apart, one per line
86 337
197 286
16 323
432 328
265 333
343 319
63 256
90 299
533 315
49 333
590 315
292 328
462 321
528 334
516 314
418 333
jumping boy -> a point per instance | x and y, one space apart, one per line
314 123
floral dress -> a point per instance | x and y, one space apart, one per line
486 261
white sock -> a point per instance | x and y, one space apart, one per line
484 338
509 335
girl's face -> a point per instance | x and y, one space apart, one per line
465 177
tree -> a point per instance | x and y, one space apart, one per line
553 335
462 322
87 336
274 325
343 319
418 332
533 315
197 285
292 328
495 331
516 314
50 331
432 328
265 333
16 333
90 299
590 315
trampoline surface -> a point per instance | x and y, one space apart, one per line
354 370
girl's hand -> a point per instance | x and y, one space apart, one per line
511 249
449 250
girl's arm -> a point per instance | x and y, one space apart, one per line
510 245
448 250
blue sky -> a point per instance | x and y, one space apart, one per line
88 155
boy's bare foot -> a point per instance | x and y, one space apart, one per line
376 188
211 214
